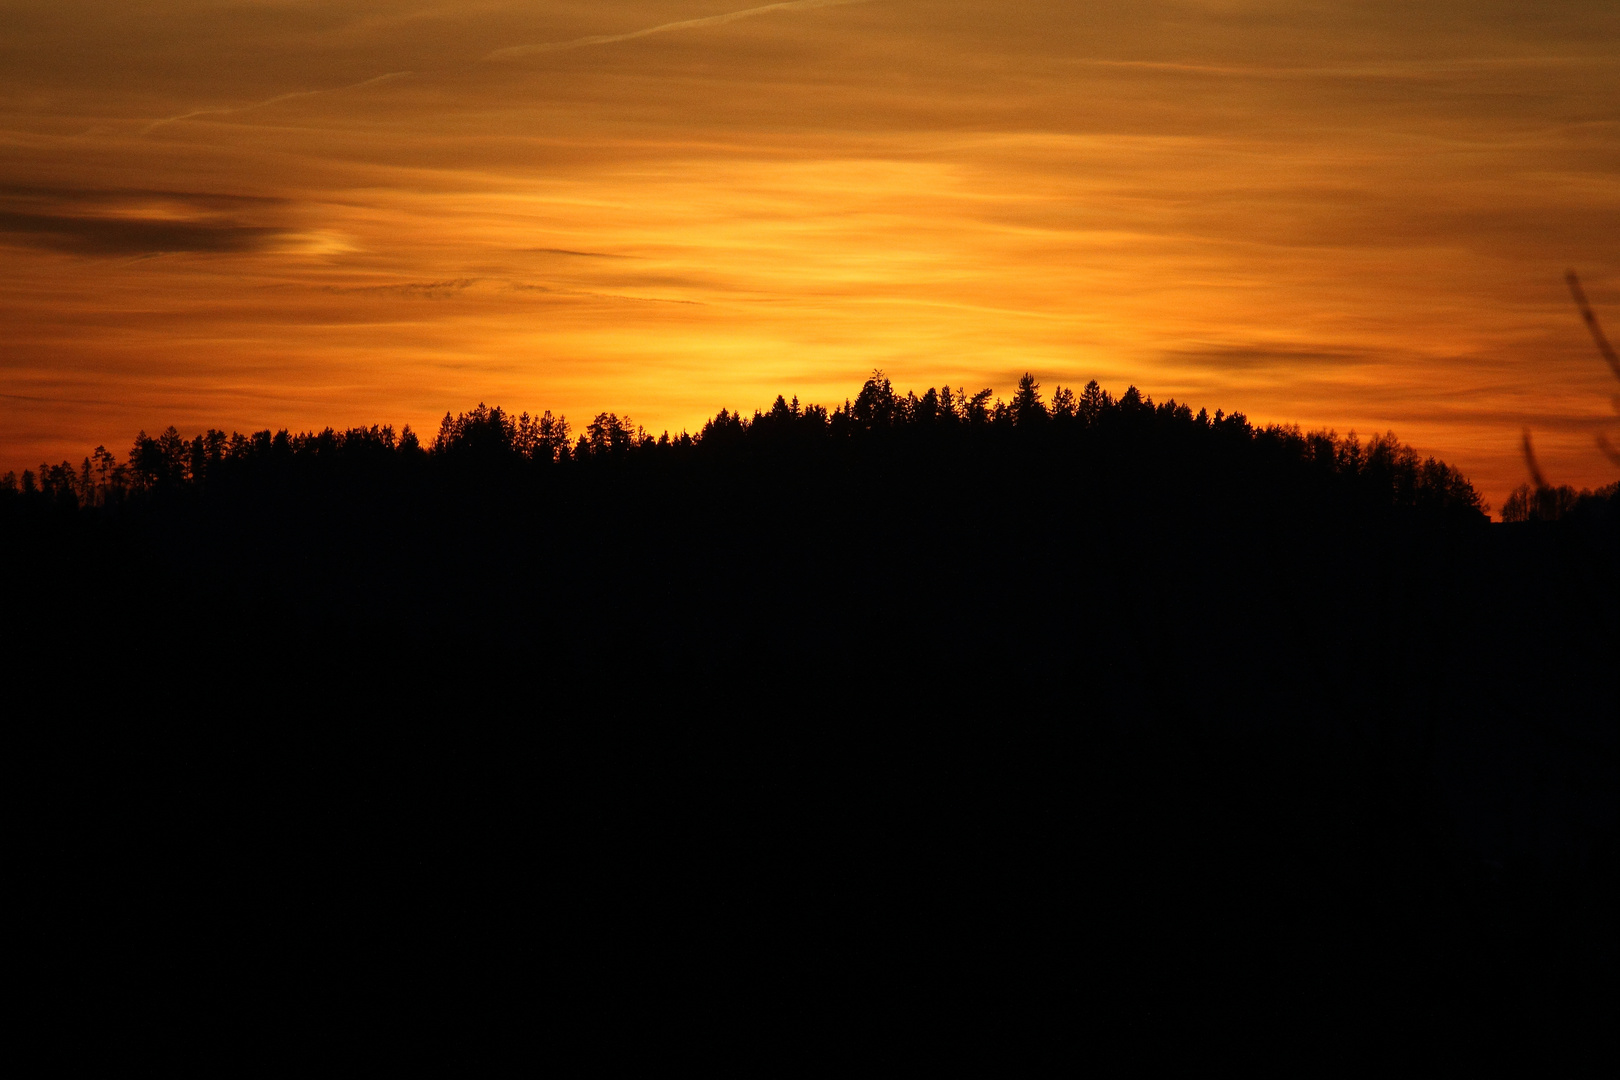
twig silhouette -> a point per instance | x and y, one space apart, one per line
1591 322
1530 462
1607 352
1604 349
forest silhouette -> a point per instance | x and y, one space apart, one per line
897 701
1084 427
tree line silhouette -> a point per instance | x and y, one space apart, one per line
1383 472
1550 502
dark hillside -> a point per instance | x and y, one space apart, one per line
1083 716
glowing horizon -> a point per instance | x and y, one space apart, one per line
275 213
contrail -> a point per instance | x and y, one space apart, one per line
685 24
154 125
526 50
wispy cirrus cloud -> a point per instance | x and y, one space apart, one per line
574 254
511 53
515 52
424 290
1259 355
230 110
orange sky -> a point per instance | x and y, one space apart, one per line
289 213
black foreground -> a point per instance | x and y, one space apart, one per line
1127 737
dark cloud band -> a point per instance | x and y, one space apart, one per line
99 222
132 236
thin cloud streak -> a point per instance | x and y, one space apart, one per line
234 109
1386 70
575 254
515 51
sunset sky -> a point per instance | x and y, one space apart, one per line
301 213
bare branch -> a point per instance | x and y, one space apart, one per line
1591 322
1530 462
1608 450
